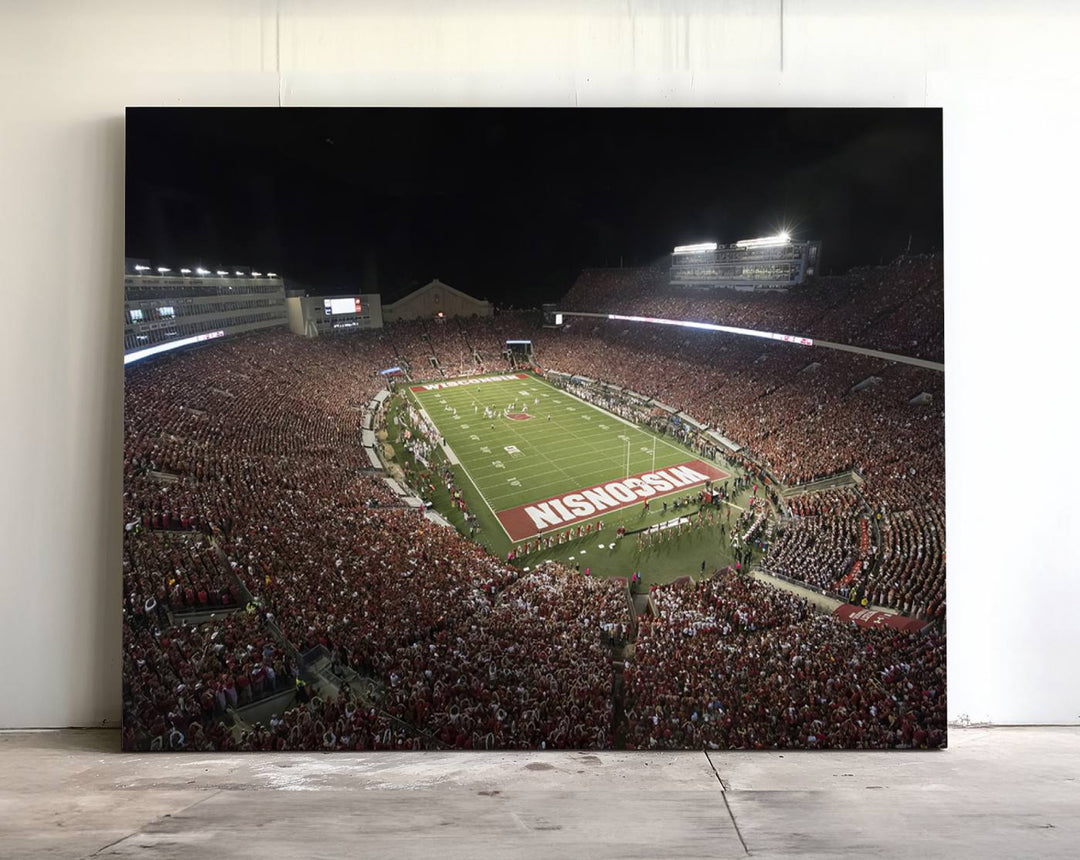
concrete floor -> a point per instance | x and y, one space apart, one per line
1003 792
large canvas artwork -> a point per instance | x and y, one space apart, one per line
533 429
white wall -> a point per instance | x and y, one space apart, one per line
1007 80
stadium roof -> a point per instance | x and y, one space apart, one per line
428 287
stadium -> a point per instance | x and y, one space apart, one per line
697 503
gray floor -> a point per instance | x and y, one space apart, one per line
1005 792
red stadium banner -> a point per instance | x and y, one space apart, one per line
474 380
873 618
559 512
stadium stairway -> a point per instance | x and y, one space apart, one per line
263 709
201 616
848 478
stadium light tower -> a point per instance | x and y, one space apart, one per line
271 274
163 269
139 268
202 271
694 249
222 272
781 238
185 271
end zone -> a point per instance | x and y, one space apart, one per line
469 380
568 509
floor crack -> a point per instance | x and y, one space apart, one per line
157 820
724 788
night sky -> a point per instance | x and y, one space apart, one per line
510 205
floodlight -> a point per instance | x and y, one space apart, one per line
256 274
222 272
163 269
695 249
185 271
238 272
142 268
175 344
271 274
202 271
764 242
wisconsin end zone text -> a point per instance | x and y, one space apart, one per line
476 380
555 513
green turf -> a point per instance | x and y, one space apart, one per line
579 446
568 444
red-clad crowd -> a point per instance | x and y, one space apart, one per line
243 471
732 663
896 308
244 474
805 414
180 679
165 573
527 670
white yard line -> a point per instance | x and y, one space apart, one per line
452 457
447 450
645 433
596 448
593 479
520 439
486 502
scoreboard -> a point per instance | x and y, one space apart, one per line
770 263
333 307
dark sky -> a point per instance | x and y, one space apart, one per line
510 204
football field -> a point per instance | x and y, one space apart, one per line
544 461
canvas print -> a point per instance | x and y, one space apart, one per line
533 429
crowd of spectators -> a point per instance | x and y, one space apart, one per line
731 663
252 446
895 308
177 574
337 722
827 545
795 408
803 414
911 575
525 671
180 679
820 543
449 343
412 348
243 470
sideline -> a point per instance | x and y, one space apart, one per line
454 461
